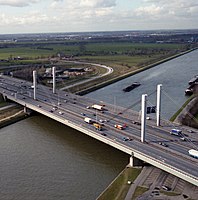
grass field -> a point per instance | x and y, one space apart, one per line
119 188
93 49
123 57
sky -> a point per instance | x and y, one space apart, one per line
45 16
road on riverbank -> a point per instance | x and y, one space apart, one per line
109 71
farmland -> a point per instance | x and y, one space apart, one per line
123 55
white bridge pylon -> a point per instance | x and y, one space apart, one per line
143 117
144 111
158 111
34 83
54 79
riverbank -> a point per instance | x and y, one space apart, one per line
187 116
119 187
11 114
99 84
147 183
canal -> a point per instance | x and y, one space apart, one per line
44 160
173 75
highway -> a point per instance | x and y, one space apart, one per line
164 149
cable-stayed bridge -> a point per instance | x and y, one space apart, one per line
143 139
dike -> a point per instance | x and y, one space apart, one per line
113 80
13 118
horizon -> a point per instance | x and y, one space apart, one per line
146 30
61 16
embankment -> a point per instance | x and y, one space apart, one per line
187 115
13 118
113 80
10 113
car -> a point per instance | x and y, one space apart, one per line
104 134
190 131
65 101
60 113
148 118
54 108
138 123
88 107
125 138
51 111
183 138
39 105
163 144
164 187
83 114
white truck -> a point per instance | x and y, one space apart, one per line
88 120
193 153
97 107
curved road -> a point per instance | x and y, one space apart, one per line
109 71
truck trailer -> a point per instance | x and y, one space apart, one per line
97 107
193 153
88 120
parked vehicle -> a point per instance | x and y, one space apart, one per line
193 153
88 120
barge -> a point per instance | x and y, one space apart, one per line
131 87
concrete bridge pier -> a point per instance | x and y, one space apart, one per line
27 110
4 98
135 162
1 98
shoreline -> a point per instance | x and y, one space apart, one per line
114 80
12 118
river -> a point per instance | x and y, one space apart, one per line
44 160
